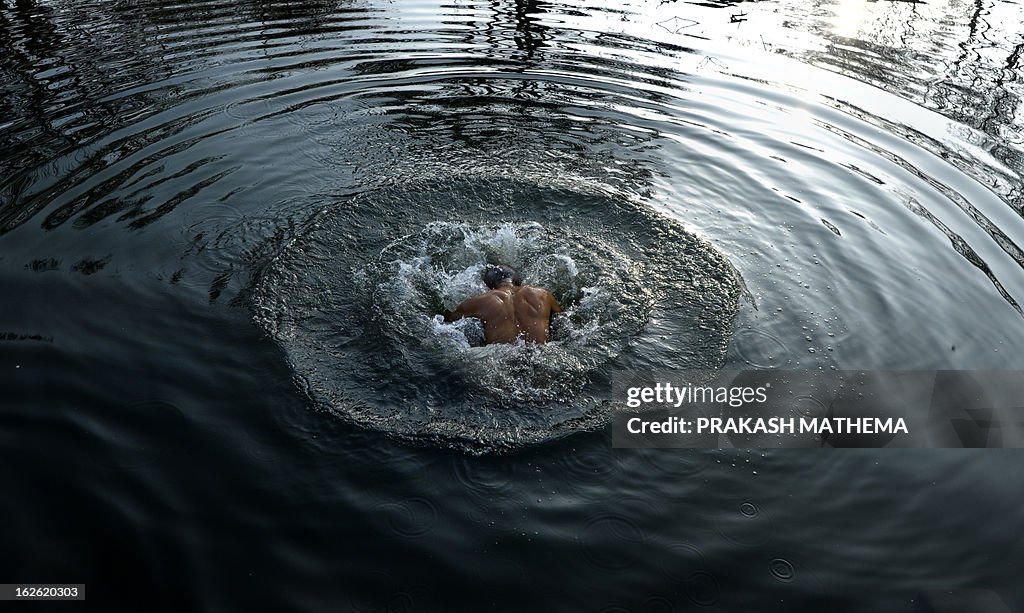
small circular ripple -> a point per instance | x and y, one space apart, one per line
682 561
702 589
376 591
594 463
483 479
760 349
782 570
683 463
745 524
248 110
382 583
658 604
411 517
608 539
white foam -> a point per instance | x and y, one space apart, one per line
462 334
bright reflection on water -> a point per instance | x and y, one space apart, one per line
226 229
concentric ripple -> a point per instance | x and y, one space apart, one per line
357 302
338 172
345 169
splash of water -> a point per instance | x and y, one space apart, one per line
361 317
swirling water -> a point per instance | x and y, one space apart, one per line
226 231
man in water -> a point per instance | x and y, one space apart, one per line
509 310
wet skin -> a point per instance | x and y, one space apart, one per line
510 312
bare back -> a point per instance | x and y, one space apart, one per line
511 312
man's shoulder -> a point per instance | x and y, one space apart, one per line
489 298
532 292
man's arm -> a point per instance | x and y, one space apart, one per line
468 308
553 303
457 314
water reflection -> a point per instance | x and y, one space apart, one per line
965 58
962 59
509 30
300 17
61 86
122 115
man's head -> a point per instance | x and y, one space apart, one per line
496 275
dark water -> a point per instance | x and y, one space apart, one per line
225 230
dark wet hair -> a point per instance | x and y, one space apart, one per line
495 274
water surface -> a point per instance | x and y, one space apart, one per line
226 230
